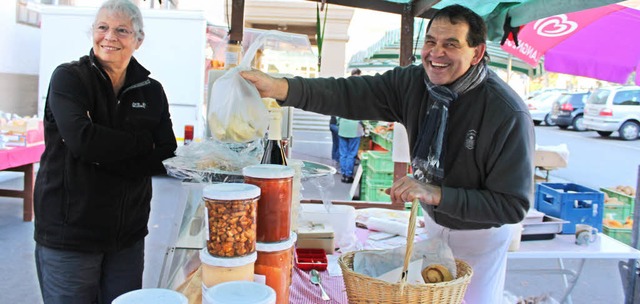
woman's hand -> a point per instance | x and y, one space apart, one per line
267 86
407 189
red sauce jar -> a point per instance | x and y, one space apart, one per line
275 263
274 205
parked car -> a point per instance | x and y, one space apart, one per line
614 109
547 90
568 110
540 107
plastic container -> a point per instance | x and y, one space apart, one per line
239 292
275 262
219 270
151 296
233 54
340 217
296 165
274 206
311 258
571 202
380 161
372 173
375 190
620 234
619 211
231 218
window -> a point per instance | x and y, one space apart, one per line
627 98
599 97
27 16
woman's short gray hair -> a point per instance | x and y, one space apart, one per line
128 9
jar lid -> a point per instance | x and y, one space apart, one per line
207 258
240 292
279 246
151 295
268 171
231 191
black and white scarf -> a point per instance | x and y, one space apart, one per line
429 151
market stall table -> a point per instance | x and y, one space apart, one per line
181 259
21 159
563 247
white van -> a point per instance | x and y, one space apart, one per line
614 109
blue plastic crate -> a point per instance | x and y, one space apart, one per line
571 202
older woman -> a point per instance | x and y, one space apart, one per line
107 130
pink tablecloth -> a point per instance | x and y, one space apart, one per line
304 292
18 156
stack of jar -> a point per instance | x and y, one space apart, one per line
231 213
274 239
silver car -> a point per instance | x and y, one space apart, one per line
614 109
540 107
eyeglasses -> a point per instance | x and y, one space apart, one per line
121 32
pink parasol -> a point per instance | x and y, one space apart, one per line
601 43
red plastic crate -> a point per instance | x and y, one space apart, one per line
307 259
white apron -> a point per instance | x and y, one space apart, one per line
486 251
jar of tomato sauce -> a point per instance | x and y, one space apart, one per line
274 205
275 263
231 218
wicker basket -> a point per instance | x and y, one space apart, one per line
365 289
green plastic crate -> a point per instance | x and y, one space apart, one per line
374 191
380 161
618 212
381 141
364 159
622 211
620 234
372 173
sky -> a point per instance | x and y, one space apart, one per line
367 27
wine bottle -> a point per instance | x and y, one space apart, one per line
273 152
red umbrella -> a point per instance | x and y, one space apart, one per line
601 43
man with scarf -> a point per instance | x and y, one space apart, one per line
471 136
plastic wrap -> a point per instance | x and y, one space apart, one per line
387 264
213 161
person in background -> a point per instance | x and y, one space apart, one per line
107 131
471 139
335 141
349 132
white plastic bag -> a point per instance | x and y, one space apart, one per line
236 111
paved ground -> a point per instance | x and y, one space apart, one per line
599 283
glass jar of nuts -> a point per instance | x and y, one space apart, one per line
231 218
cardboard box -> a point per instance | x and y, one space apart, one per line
551 156
316 235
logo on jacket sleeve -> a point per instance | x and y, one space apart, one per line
470 139
139 105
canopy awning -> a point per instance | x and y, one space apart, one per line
385 54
